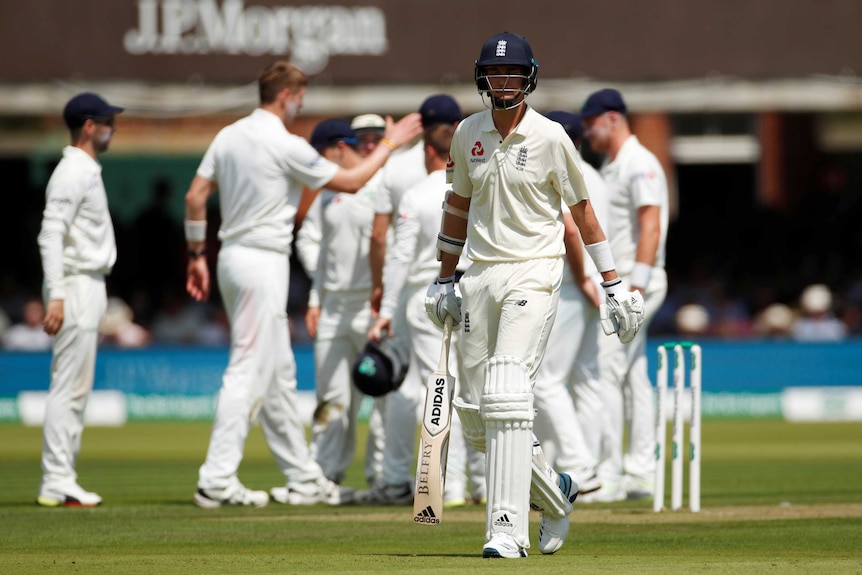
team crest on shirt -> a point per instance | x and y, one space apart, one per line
521 159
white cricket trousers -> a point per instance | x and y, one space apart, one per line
570 414
625 372
260 378
342 332
72 372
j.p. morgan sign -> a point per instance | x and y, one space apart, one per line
308 35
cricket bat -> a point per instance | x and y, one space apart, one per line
434 439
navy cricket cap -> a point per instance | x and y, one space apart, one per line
440 109
571 123
605 100
330 132
379 368
87 106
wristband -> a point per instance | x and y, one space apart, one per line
641 274
601 254
446 280
196 230
389 143
611 286
197 253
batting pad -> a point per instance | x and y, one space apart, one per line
545 494
507 410
471 423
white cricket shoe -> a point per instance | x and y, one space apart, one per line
590 485
236 494
312 492
503 546
553 531
638 487
386 495
70 495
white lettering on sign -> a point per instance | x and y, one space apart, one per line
308 34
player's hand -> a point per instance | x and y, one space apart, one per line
312 318
404 130
591 290
382 328
198 279
441 300
623 312
53 317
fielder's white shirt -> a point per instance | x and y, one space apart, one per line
403 169
77 234
335 238
260 169
634 179
599 202
411 260
517 186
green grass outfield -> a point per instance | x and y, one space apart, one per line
778 498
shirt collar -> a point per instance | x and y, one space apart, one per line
526 121
78 155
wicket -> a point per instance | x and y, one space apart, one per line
694 377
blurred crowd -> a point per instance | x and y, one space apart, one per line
694 310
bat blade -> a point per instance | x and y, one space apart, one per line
434 440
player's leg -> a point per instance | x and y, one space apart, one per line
530 295
403 410
613 366
556 418
244 288
639 457
506 408
72 372
375 443
335 349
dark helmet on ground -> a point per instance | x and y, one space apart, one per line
379 368
505 49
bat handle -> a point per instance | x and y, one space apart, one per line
447 339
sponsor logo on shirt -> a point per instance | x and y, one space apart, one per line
477 150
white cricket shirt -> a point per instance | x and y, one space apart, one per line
260 169
411 260
517 186
335 238
403 169
634 179
77 234
599 203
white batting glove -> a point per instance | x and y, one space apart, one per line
623 312
441 300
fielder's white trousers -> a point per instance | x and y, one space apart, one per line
571 431
625 374
342 332
260 379
72 371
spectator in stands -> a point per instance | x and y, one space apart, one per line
29 334
817 321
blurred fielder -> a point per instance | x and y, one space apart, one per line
78 250
260 168
638 219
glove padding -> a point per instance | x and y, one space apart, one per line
441 300
623 317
